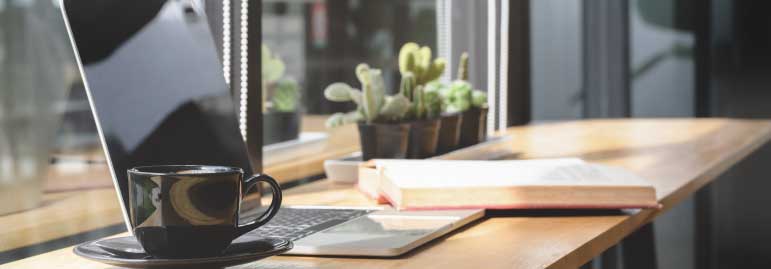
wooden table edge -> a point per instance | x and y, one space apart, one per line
581 256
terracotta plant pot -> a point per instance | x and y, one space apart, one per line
423 139
384 140
449 133
280 126
473 126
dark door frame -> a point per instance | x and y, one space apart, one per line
518 100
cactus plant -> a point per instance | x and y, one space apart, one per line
426 103
433 102
478 99
459 97
407 85
463 67
280 93
416 59
285 95
272 66
373 104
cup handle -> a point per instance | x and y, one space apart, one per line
275 203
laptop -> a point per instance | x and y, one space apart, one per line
157 91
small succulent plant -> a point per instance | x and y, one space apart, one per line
372 103
285 95
425 103
273 67
416 59
459 95
280 93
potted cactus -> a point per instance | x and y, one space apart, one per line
449 122
417 69
381 132
425 107
473 104
459 97
281 97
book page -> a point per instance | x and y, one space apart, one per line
465 174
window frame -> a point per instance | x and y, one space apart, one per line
508 94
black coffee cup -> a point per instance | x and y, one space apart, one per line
185 211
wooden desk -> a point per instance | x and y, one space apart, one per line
678 156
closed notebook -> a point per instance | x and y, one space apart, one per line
518 184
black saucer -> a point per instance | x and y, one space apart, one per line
126 252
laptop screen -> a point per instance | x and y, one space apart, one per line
155 85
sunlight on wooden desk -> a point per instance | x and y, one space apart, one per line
677 155
61 214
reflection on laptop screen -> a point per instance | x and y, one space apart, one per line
155 84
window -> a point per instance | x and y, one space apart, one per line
308 45
645 54
661 41
44 113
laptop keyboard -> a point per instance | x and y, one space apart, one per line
295 223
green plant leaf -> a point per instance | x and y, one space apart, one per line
435 70
369 102
273 68
335 120
338 92
395 107
362 73
378 86
463 67
435 86
404 54
416 59
433 103
458 96
340 119
407 84
424 56
479 99
286 95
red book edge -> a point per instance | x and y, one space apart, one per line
388 199
379 197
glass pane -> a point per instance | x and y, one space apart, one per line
48 140
661 42
556 67
37 73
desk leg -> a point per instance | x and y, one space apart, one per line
606 260
639 249
703 230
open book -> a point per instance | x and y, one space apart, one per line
511 184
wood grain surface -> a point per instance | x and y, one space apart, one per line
677 155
